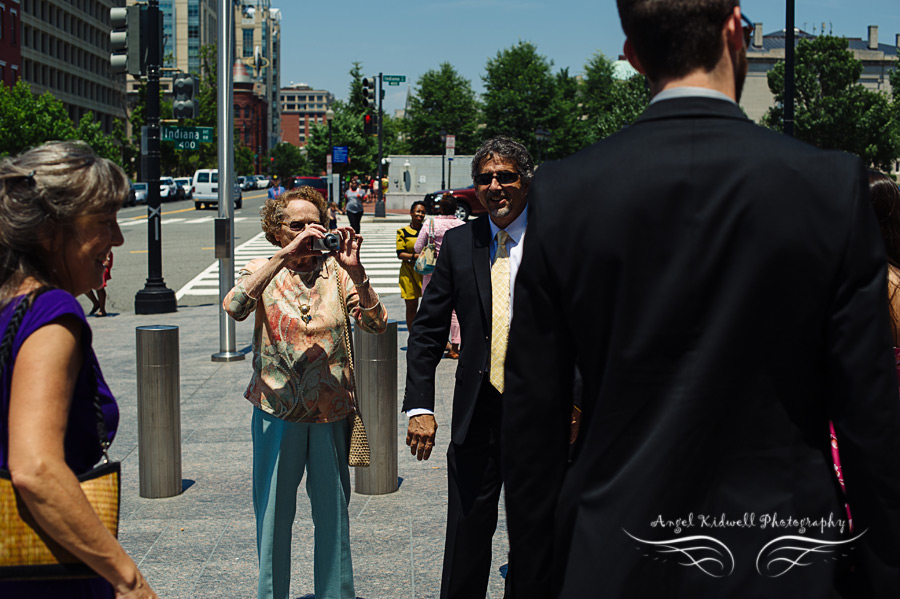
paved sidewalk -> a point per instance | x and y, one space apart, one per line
202 543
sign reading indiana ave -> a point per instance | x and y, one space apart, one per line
394 79
186 134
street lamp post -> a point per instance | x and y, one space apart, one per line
443 156
329 116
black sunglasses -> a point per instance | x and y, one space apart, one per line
748 29
503 178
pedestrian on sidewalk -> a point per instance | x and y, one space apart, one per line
98 301
410 280
354 205
58 205
300 388
433 232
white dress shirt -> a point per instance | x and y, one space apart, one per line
515 246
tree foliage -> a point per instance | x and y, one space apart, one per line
288 161
347 130
442 101
832 110
27 121
611 103
520 96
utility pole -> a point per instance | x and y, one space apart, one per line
379 202
225 221
155 297
789 70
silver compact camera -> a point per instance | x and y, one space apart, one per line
330 243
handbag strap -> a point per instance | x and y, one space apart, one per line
348 343
431 231
6 345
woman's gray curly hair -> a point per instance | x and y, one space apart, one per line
41 192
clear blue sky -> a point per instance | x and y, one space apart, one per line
320 40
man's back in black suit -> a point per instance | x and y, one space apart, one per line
724 298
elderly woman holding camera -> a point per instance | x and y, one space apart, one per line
58 205
301 385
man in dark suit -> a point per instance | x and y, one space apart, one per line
723 294
475 271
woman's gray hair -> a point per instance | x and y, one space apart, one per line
505 148
41 192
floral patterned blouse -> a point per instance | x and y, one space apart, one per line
300 367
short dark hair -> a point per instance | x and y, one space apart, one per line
448 204
412 207
505 148
675 37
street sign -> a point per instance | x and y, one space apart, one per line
340 155
182 134
451 142
187 144
328 164
394 79
451 152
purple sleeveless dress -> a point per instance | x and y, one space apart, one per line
81 444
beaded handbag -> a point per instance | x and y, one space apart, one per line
26 551
359 440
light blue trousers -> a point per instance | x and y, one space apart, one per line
281 452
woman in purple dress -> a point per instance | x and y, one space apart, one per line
58 205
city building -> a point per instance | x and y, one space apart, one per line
257 43
250 114
767 50
65 51
301 108
10 43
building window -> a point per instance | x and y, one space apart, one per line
246 112
2 13
248 43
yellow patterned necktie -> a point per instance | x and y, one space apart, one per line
499 310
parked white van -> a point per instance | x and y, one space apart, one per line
205 189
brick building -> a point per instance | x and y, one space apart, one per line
10 43
301 108
250 114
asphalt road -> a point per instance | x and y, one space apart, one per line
187 248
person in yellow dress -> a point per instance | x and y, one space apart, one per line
410 280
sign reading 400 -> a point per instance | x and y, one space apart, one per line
187 138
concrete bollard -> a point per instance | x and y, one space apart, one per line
159 411
375 359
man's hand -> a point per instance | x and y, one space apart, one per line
420 435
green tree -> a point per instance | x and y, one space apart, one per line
243 159
611 103
347 130
572 131
832 110
520 96
289 161
442 100
27 120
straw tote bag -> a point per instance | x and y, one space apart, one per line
26 551
359 440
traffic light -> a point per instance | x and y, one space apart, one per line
186 87
368 124
129 47
368 92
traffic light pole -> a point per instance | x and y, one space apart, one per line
155 297
379 202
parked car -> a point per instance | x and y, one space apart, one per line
247 182
137 194
184 184
205 189
466 203
262 181
168 190
317 183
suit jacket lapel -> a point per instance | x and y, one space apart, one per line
481 261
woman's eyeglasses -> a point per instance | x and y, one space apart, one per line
295 225
503 178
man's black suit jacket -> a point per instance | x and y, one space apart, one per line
461 281
722 290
